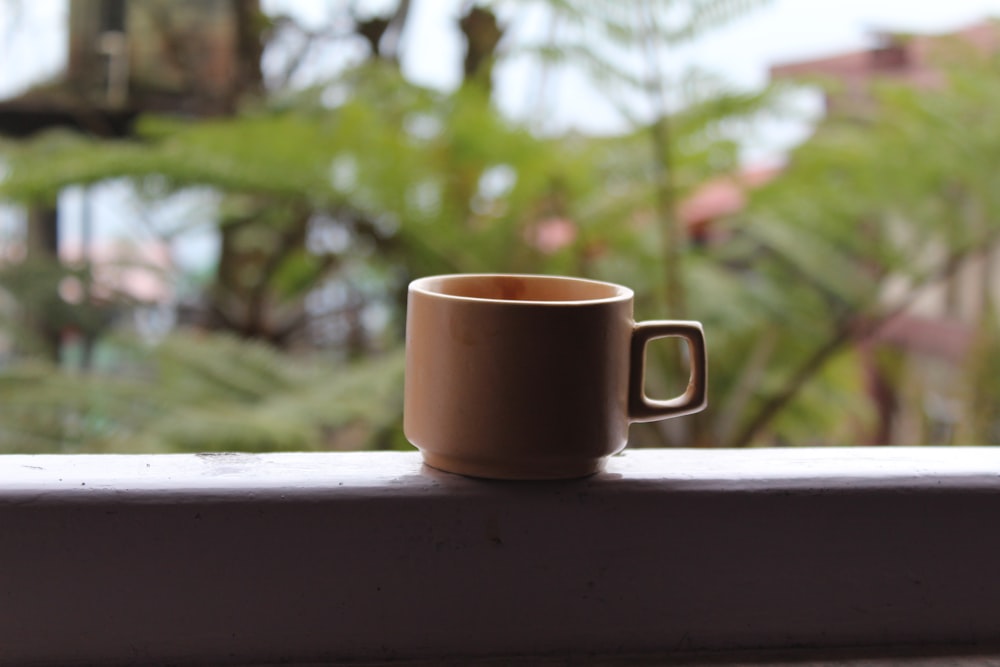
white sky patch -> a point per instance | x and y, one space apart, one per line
423 126
497 181
425 197
344 172
32 43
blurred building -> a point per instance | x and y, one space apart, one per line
131 56
936 334
178 56
190 58
907 58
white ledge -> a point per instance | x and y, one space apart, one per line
304 558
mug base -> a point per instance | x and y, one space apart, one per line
521 470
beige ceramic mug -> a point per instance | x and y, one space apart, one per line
531 377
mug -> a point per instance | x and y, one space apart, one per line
531 377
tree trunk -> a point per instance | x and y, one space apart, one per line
43 247
250 26
482 37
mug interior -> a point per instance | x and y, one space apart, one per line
511 287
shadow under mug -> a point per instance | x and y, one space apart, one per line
532 377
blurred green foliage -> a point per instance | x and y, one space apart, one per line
197 392
408 181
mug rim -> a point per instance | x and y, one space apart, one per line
420 285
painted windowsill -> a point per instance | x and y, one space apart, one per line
669 554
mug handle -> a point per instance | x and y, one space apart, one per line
641 408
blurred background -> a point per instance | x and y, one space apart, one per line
210 209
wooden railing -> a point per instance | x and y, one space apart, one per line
668 557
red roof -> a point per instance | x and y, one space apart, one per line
724 195
910 58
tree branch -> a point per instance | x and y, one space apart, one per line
847 330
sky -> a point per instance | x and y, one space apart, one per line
32 45
32 48
32 40
781 31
